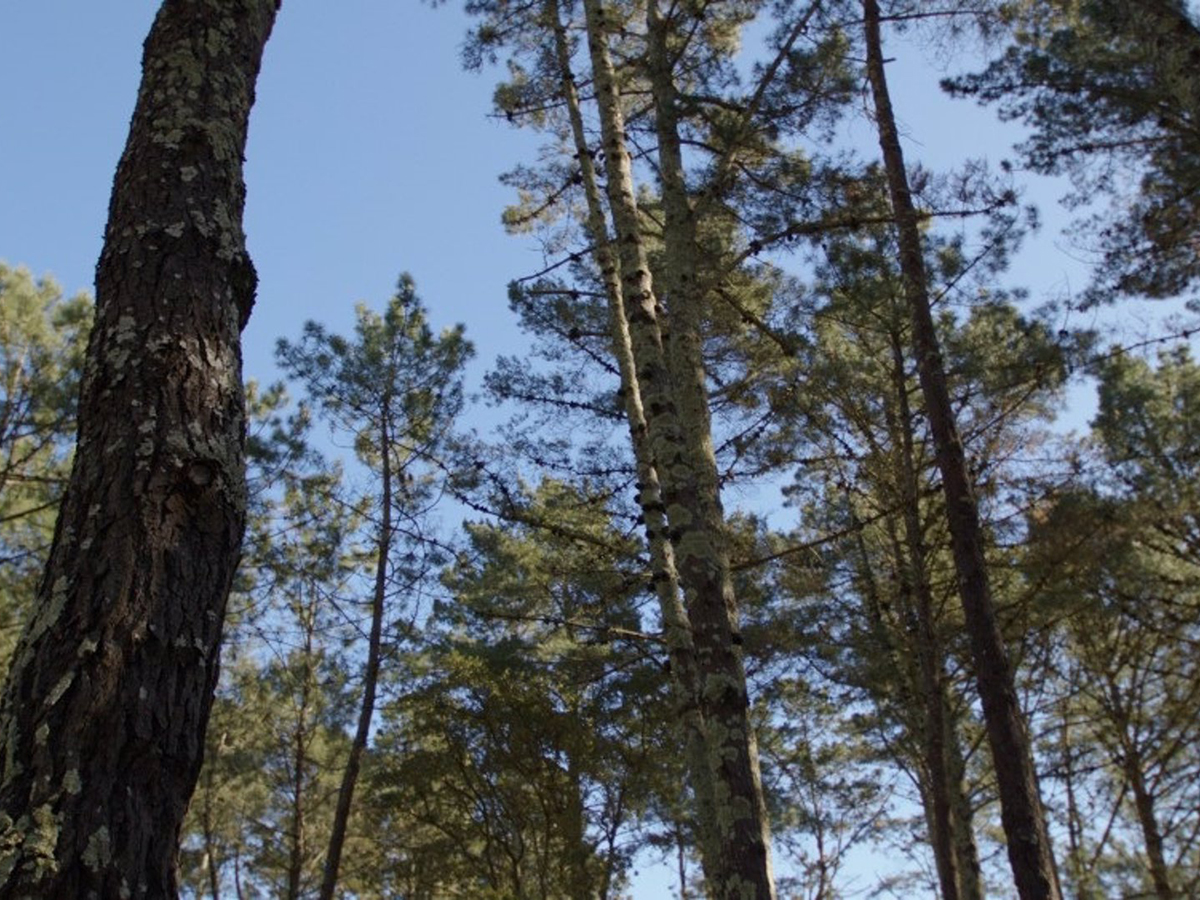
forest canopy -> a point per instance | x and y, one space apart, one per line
775 560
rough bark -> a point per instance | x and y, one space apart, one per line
696 515
366 710
103 716
680 448
1021 811
677 631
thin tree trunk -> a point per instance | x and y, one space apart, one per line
210 846
929 652
579 875
103 716
677 631
743 868
1143 800
1151 833
1021 813
341 815
970 873
298 850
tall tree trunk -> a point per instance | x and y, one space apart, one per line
366 711
743 868
696 514
210 845
1021 811
103 716
684 679
929 652
1132 763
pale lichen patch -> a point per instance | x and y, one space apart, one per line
41 838
42 734
72 783
98 852
60 688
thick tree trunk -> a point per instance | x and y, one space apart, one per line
743 867
103 716
366 711
1021 813
677 630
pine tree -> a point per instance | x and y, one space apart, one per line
103 716
395 390
1012 757
42 341
1111 88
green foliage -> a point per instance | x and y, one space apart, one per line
42 340
1110 88
1119 561
530 743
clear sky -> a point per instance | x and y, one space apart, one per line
371 152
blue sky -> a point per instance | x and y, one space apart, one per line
371 152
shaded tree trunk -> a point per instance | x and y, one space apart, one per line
1132 762
970 873
930 663
300 740
1021 814
211 862
103 716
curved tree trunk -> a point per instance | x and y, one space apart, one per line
366 711
103 716
1021 811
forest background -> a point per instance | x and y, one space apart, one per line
372 152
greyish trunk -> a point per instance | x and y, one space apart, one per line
103 716
697 517
676 628
1021 811
743 866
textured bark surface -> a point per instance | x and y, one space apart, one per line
1021 811
678 441
677 631
103 716
697 519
